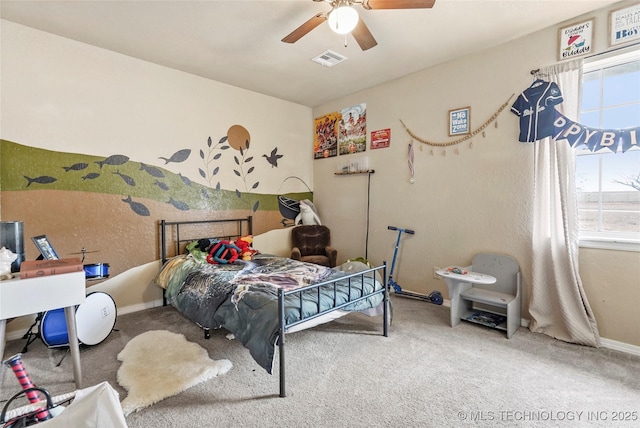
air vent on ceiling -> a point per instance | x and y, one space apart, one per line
329 58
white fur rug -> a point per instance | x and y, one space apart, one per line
158 364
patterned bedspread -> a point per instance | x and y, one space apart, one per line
242 297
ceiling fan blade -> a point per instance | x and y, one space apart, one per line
305 28
398 4
363 36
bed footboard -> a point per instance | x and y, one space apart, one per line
359 276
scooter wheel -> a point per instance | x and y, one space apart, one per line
436 298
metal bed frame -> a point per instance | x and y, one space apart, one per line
244 226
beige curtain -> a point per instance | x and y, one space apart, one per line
558 304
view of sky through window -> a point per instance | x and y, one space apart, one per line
607 183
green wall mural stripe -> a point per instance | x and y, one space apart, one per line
25 168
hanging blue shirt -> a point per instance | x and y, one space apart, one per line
536 111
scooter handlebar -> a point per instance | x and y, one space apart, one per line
409 231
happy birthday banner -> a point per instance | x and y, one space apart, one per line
594 138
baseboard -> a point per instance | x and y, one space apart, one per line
605 343
15 335
620 346
139 307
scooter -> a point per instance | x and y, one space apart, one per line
434 297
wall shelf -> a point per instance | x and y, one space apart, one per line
369 171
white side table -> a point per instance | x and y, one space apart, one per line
457 283
19 297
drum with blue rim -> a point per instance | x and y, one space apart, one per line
95 319
96 270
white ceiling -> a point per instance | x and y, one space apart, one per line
238 42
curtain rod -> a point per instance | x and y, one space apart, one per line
537 70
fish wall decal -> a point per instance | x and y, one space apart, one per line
91 176
184 179
178 204
161 185
179 156
152 170
43 179
137 207
113 160
75 167
130 181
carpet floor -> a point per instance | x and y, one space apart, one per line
346 374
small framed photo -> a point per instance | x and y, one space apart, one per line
624 25
575 40
459 121
45 247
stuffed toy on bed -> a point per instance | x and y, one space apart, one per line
244 243
223 252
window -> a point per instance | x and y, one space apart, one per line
607 183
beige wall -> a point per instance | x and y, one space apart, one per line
612 283
475 200
63 99
62 95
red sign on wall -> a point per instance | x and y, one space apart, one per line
381 138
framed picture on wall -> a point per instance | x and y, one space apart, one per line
624 25
380 138
325 135
575 40
352 137
459 121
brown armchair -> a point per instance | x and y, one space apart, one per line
312 244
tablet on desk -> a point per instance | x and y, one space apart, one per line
44 246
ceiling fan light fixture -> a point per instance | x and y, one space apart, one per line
343 19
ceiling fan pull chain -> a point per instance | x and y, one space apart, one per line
345 40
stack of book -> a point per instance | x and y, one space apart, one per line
36 268
486 318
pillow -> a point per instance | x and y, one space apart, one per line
352 266
199 249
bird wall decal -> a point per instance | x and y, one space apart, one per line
273 158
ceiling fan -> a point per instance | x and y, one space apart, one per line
344 19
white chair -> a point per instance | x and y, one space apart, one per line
479 302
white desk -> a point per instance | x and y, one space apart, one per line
457 283
19 297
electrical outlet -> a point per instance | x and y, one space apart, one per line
435 275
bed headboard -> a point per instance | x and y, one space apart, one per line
175 235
